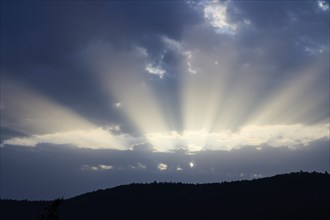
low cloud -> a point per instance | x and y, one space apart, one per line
96 167
56 169
291 136
97 138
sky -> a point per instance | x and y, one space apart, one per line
96 94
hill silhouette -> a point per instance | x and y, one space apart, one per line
288 196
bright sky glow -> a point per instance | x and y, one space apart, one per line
206 125
216 103
292 136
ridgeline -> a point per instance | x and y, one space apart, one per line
288 196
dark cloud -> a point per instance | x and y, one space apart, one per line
49 171
46 33
40 41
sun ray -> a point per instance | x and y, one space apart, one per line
131 86
28 111
297 97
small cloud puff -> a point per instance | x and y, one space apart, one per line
117 105
324 6
96 167
156 70
216 15
162 166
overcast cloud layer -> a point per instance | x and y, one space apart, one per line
110 92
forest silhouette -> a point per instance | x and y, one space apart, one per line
300 195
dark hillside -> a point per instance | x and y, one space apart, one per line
23 209
290 196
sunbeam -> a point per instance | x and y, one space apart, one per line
186 94
29 112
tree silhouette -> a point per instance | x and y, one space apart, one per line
51 211
300 195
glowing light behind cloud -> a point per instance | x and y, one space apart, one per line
96 138
292 136
220 98
217 101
